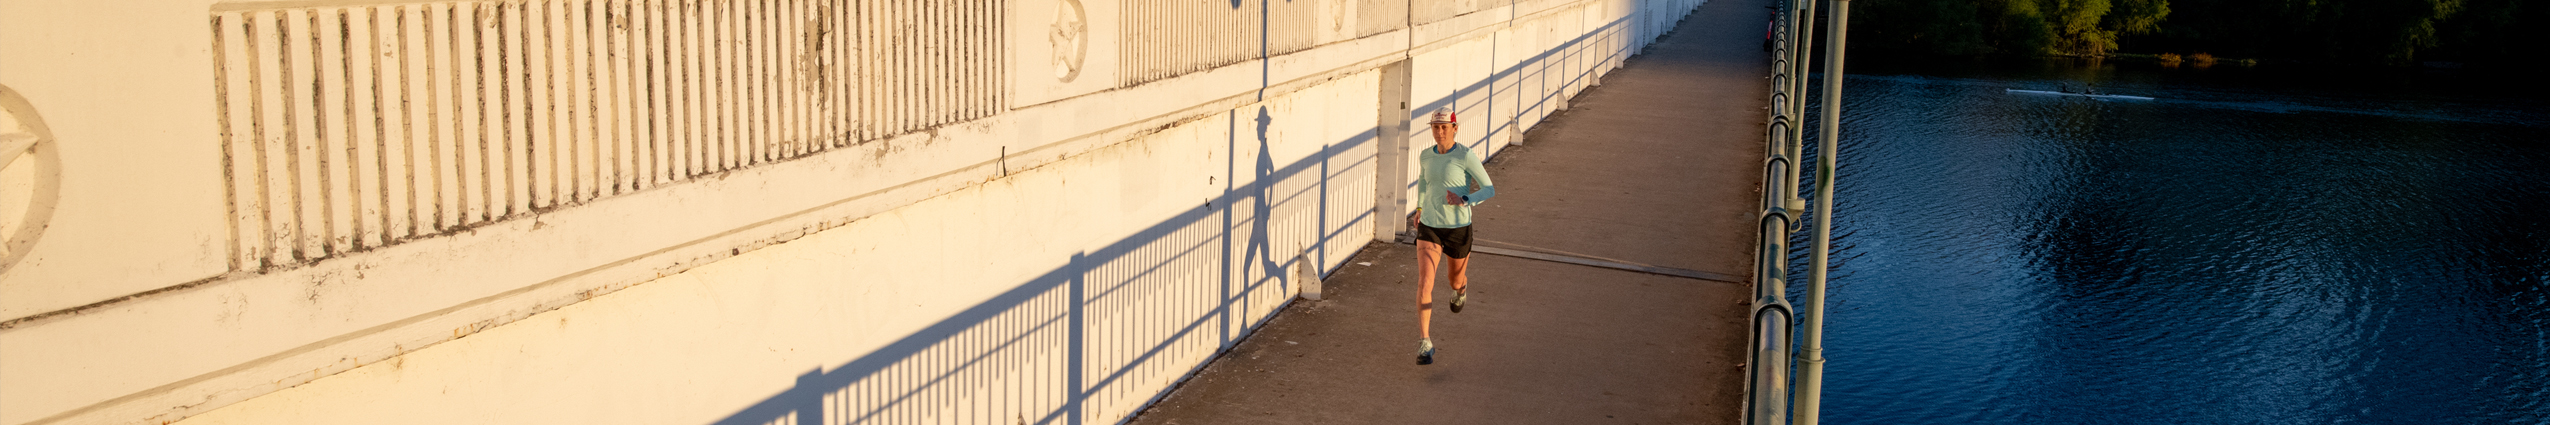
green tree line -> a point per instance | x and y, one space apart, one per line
2393 32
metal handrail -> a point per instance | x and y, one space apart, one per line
1766 368
1769 397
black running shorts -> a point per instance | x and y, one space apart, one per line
1455 241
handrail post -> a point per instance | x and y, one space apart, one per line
1800 56
1802 24
1810 374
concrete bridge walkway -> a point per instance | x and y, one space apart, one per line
1658 166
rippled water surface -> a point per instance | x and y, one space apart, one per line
2242 250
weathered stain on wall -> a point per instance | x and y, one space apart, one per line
351 128
1379 16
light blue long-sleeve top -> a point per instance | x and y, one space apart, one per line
1457 172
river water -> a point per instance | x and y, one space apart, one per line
2246 249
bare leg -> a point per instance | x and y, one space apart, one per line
1460 274
1427 254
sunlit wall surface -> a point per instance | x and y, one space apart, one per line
776 211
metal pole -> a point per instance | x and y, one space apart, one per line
1810 376
1802 62
1801 57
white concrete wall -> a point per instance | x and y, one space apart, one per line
972 212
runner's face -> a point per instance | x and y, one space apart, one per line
1443 133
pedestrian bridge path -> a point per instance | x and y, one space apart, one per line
1645 194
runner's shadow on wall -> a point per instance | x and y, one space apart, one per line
1103 334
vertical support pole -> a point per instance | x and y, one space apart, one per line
1390 141
1801 61
1810 376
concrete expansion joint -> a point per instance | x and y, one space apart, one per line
1518 251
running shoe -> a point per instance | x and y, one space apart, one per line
1425 352
1458 299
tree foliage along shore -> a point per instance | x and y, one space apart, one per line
2392 32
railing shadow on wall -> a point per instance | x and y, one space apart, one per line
1068 345
1075 342
1532 69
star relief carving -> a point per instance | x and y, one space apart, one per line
29 177
1070 36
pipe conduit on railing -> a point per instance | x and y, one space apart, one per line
1768 374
